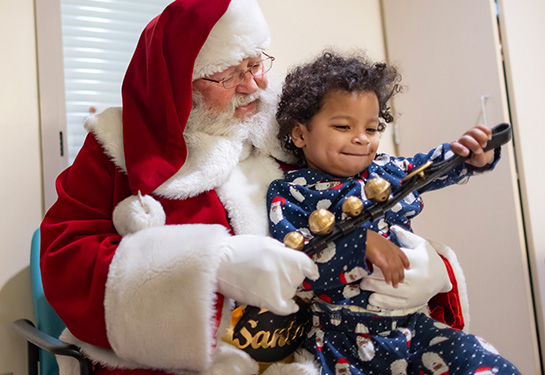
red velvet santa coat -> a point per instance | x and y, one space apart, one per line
149 295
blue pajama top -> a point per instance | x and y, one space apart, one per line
342 265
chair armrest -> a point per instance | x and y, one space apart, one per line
33 335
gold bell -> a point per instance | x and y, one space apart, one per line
294 240
321 221
378 190
352 206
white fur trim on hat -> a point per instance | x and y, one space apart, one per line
136 212
240 33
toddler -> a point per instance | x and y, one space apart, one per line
331 114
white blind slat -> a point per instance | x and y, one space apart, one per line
99 37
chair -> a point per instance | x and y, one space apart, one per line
43 344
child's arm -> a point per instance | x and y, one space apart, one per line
388 257
473 141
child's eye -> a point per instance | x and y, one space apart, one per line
372 130
341 127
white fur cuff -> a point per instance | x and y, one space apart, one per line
160 296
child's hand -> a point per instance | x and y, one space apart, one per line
474 140
388 257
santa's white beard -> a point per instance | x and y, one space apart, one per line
260 130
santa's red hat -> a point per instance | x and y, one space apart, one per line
342 277
190 39
279 199
342 361
485 370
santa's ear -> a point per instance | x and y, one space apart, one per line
297 134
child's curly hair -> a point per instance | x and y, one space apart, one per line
306 85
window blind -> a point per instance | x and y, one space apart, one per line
99 38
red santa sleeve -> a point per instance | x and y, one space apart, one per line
149 296
452 307
78 241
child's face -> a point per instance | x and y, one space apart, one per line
342 139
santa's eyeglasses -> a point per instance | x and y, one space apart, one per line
256 69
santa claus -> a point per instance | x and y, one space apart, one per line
319 340
351 290
342 367
486 371
433 362
366 348
326 254
408 334
163 215
399 367
275 212
138 251
354 274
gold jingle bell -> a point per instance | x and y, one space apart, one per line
321 221
352 206
378 190
294 240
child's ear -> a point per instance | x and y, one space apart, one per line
297 135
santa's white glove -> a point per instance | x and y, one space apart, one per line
262 272
426 276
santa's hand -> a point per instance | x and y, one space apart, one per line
262 272
426 276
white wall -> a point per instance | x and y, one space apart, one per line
301 29
21 189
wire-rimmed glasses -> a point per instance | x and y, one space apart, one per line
256 69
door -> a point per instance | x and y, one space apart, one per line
450 58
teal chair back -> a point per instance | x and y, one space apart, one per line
47 319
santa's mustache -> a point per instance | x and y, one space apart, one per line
240 100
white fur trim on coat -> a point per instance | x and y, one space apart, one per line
158 286
106 357
207 166
244 194
240 33
226 359
107 126
450 255
229 360
304 364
